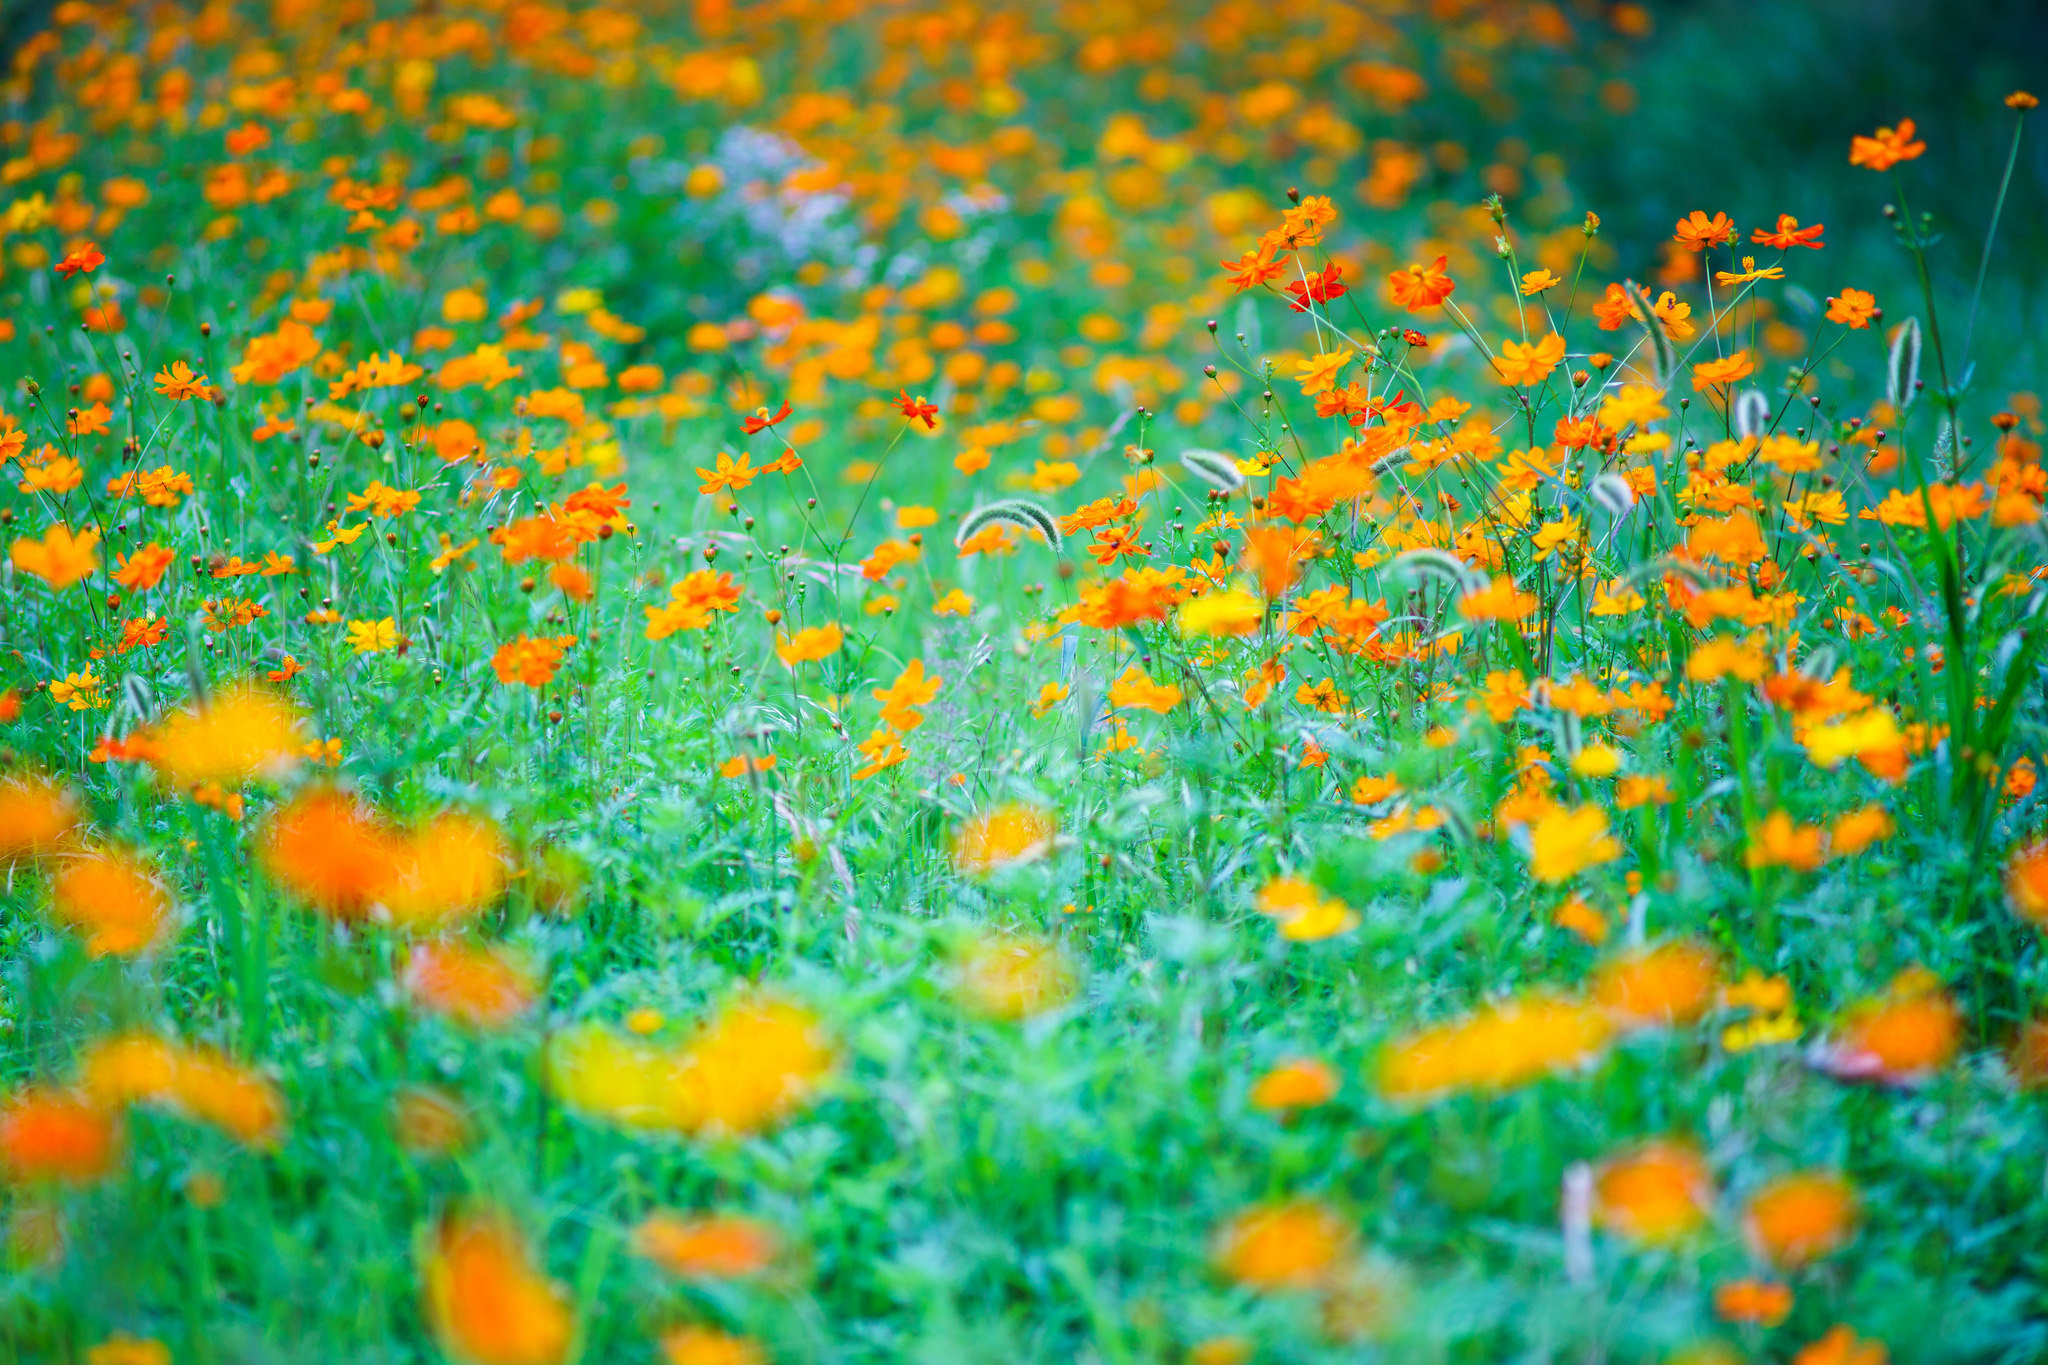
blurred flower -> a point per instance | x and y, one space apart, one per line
1752 1301
236 736
1012 977
714 1246
1497 1048
698 1345
1658 1193
1296 1245
38 817
1900 1037
1673 983
1800 1218
112 900
1002 837
1301 1083
483 986
52 1136
486 1300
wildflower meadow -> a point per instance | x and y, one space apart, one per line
778 682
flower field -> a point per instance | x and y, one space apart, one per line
780 681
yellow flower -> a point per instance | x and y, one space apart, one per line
1012 977
1565 842
1319 375
59 558
372 637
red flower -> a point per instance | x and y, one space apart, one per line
761 421
1788 234
916 409
1317 288
87 258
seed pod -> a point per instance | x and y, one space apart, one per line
1214 468
1443 566
1611 492
1902 370
1021 512
1752 412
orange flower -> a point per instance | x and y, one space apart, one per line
47 1135
1500 1047
695 1344
38 817
1905 1035
727 474
1565 842
808 645
487 1301
1297 1245
1752 1301
85 257
1788 234
1698 232
1673 983
1301 1083
1520 363
240 734
715 1246
2026 881
143 569
486 987
1659 1193
1841 1346
1714 374
529 661
1853 308
1421 287
1887 148
1500 600
1801 1217
59 558
109 898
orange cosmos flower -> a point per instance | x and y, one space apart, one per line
38 817
449 869
1853 308
727 473
110 899
241 734
85 258
1886 148
1673 983
1800 1217
1697 232
486 1300
715 1246
808 645
1003 837
1421 287
1522 363
1274 556
59 558
328 851
1296 1245
1500 600
1752 1301
1900 1037
1498 1048
1658 1193
1788 234
1714 374
51 1136
1299 1083
696 1344
216 1090
486 987
2026 883
530 661
143 569
1841 1346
